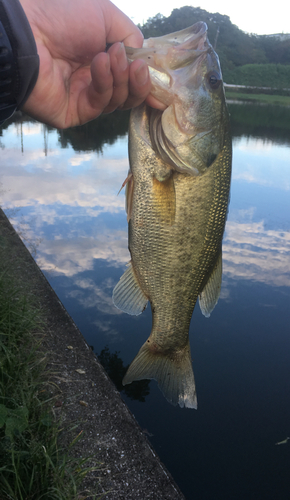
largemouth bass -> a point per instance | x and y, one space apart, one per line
177 198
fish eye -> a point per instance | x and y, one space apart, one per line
214 80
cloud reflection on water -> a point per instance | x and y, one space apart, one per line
98 186
64 194
72 256
261 162
251 252
99 297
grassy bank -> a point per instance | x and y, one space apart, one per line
263 98
32 465
276 76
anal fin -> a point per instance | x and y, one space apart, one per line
127 294
211 292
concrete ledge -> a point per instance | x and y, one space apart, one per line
131 469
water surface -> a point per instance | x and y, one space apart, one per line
60 191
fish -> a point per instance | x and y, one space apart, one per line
177 195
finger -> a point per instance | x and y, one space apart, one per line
101 87
96 94
154 103
102 78
123 29
139 84
120 72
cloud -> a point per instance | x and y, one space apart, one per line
34 179
80 159
30 129
75 255
106 328
57 187
251 252
90 295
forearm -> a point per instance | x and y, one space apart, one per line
19 61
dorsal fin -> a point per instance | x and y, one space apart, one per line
129 194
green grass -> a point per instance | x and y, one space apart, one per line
269 99
276 76
32 466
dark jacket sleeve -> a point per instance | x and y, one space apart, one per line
19 61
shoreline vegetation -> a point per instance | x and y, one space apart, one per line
246 58
242 96
33 465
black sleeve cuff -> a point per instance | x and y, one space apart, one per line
19 61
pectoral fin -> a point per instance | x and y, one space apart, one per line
127 294
211 292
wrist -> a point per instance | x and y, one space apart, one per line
19 62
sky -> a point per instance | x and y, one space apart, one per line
252 17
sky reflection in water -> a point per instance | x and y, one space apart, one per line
64 203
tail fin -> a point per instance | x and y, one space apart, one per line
173 373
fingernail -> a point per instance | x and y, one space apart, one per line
122 58
141 74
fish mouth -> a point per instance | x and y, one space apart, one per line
166 54
184 70
172 51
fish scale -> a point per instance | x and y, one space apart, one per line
177 193
178 264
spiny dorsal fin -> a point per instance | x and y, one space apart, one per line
211 292
129 194
127 294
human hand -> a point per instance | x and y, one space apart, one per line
77 79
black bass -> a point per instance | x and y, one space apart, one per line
177 197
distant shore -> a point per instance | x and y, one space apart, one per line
241 93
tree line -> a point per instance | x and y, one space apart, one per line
234 47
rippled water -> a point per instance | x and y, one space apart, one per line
60 192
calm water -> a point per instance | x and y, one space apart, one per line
60 192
